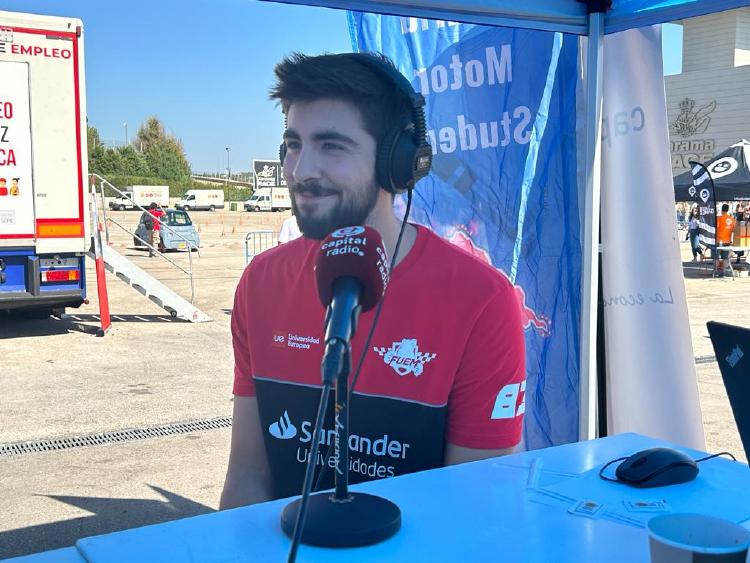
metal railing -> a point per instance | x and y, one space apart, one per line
260 241
162 225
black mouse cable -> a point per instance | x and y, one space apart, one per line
603 476
715 455
601 471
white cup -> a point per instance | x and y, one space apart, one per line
694 538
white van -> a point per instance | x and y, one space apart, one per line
269 199
133 196
202 199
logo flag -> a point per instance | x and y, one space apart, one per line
702 191
501 120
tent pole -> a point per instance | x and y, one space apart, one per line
587 421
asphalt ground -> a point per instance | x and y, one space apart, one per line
59 380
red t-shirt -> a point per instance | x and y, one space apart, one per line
157 213
446 362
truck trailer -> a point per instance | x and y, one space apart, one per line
143 196
44 206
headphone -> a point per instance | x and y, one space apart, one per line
403 155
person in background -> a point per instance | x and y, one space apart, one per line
154 236
694 234
289 230
724 233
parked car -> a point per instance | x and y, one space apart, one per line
179 223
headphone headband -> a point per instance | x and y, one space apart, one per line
403 155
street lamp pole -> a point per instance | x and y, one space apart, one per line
125 125
229 169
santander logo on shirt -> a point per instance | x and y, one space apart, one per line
283 428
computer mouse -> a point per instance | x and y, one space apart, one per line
657 467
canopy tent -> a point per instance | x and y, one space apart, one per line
730 172
592 19
566 16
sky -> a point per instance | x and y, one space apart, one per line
204 69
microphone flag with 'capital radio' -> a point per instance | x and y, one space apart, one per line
357 252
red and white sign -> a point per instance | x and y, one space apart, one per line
16 190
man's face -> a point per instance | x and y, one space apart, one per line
329 166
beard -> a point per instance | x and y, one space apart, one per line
348 209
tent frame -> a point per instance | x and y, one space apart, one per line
591 18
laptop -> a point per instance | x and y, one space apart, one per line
732 349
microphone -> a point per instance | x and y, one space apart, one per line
351 273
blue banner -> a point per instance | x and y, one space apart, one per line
501 116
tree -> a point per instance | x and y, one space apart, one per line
108 163
132 162
92 139
149 133
95 149
164 153
167 160
153 154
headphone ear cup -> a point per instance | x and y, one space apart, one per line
282 153
402 163
397 166
383 162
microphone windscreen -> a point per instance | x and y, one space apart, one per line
357 252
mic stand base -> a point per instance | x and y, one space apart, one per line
363 520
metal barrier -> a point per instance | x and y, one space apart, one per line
259 241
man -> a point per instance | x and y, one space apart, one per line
153 233
289 230
739 212
724 234
443 378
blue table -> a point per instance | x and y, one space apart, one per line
471 512
64 555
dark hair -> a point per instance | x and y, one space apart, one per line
725 208
381 103
153 205
694 211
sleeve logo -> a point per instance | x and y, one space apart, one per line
505 403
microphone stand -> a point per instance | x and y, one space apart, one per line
341 518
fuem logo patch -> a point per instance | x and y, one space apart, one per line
404 357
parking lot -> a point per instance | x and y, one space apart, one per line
151 372
60 380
